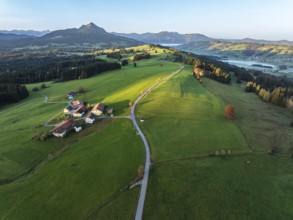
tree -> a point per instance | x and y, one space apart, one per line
229 112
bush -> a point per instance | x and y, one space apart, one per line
35 89
124 62
81 90
43 86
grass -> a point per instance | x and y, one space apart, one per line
85 175
78 182
182 119
115 89
218 188
88 169
263 124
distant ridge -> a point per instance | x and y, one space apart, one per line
166 37
89 35
26 32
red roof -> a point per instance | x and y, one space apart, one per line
64 126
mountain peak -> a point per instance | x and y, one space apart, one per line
91 28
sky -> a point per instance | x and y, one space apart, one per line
258 19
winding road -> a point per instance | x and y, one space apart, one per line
144 182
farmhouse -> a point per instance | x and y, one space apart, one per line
63 128
77 103
71 95
70 109
79 112
90 119
98 109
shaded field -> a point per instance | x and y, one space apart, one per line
263 124
216 188
182 119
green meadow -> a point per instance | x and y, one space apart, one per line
183 119
184 123
86 175
83 175
222 188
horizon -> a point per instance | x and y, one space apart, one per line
268 20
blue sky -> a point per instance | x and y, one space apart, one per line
261 19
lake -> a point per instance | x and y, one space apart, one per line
266 67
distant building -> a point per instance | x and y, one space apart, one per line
77 103
90 119
71 95
70 109
79 112
64 128
98 109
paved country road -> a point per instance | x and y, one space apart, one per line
144 183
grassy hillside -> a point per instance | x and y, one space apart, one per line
84 176
184 120
80 176
217 188
81 179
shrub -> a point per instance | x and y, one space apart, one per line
81 90
43 86
124 62
35 89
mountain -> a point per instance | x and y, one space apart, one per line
166 37
8 37
26 32
88 35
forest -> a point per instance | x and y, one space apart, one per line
19 68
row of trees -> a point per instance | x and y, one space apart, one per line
209 69
10 93
277 95
141 56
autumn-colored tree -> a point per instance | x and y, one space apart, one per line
229 112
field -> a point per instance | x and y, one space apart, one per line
86 175
79 176
184 122
218 188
